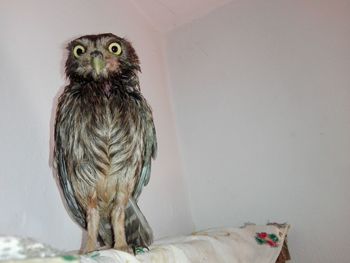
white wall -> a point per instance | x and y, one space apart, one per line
261 92
34 35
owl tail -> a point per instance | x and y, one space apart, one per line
137 230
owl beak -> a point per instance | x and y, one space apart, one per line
97 61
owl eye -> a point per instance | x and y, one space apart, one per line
78 50
115 48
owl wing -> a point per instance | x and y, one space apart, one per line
60 161
138 231
150 152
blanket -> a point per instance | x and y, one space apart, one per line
249 244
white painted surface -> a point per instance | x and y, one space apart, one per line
33 37
261 92
167 15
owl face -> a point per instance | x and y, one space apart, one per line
100 57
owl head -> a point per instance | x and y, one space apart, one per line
101 57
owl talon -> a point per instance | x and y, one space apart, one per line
126 249
86 251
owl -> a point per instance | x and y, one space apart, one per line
105 140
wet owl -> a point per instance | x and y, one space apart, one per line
105 140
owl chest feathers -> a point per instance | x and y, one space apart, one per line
106 137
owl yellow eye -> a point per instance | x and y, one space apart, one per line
78 50
115 48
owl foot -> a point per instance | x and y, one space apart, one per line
86 251
126 249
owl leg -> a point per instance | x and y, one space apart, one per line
93 220
118 222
